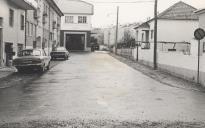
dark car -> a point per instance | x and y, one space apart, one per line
32 59
60 52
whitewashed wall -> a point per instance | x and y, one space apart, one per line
175 30
76 26
176 63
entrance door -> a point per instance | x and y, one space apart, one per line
147 36
20 47
9 53
75 42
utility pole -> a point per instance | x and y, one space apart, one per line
116 33
155 35
109 39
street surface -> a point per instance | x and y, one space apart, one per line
96 87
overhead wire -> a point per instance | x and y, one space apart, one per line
122 2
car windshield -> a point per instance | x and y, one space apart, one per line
30 53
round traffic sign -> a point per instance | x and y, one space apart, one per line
199 33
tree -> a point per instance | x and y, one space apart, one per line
128 39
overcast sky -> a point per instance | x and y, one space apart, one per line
105 14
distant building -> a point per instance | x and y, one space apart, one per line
43 26
176 24
98 34
76 24
12 27
109 33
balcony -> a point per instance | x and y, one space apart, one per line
25 4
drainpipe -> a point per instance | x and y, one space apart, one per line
49 19
25 29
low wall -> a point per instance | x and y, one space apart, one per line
176 63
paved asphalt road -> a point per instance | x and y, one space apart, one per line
95 86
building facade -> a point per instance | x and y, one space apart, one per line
201 14
76 24
123 32
12 27
43 26
175 28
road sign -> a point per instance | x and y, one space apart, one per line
199 34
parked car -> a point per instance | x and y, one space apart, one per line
32 59
60 52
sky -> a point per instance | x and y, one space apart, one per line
105 13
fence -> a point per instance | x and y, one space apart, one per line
173 57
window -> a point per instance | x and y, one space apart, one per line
34 44
51 36
32 29
1 22
82 19
11 17
22 22
142 39
69 19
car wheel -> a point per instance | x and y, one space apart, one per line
66 58
20 70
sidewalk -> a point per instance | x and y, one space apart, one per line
161 76
6 71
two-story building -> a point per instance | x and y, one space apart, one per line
43 26
12 27
76 24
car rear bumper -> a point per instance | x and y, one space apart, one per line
58 56
28 65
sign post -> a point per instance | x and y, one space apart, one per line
199 34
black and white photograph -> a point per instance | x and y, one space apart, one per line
102 64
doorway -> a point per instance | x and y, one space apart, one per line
75 42
8 53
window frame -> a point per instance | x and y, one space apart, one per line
11 17
69 19
82 19
22 18
1 22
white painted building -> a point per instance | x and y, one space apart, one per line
176 24
76 24
12 27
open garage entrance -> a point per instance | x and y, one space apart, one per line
75 42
